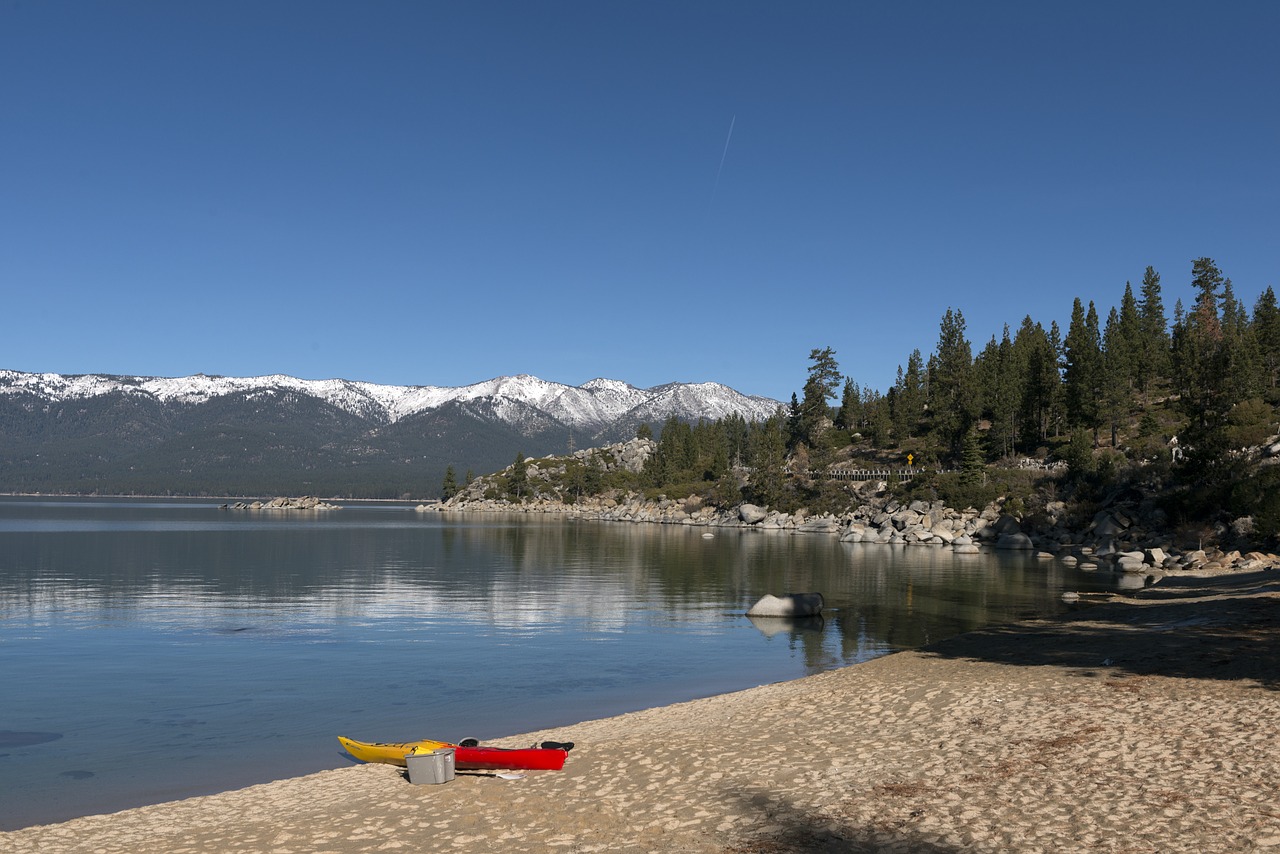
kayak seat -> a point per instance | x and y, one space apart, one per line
566 746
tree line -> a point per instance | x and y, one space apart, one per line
1110 394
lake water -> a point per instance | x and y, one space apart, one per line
152 650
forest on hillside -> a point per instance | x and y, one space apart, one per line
1132 399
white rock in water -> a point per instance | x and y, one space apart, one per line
792 605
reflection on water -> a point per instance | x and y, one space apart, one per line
771 626
182 648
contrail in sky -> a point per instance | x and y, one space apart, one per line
723 155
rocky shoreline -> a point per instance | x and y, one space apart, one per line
1130 535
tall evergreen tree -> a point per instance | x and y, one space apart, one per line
1005 395
1036 354
735 436
1056 418
1127 346
1117 369
1001 384
849 415
821 385
1242 360
875 408
767 442
1082 374
1266 329
795 423
953 399
1197 349
1153 340
908 402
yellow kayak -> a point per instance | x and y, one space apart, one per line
389 754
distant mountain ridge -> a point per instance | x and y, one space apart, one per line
255 435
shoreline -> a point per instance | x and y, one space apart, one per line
1142 724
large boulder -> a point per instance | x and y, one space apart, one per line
791 605
1007 525
751 514
1015 542
821 525
1105 525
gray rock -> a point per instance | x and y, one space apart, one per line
1007 525
1128 563
1014 542
1105 525
905 519
751 514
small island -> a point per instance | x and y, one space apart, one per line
306 502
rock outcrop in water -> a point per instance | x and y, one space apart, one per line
307 502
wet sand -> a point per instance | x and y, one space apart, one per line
1149 724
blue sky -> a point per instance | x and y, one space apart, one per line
438 193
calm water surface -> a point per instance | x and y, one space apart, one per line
151 650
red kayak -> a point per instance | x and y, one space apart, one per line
466 757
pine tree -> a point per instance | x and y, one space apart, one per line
953 398
735 431
1082 374
795 433
1198 356
1036 355
821 385
1003 390
768 458
973 461
1117 369
1128 339
850 413
908 403
449 488
518 477
1078 456
1241 357
1153 338
879 424
1266 330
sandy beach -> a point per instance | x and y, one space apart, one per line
1145 724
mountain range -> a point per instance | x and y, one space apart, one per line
234 436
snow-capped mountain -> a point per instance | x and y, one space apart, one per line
594 405
283 435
